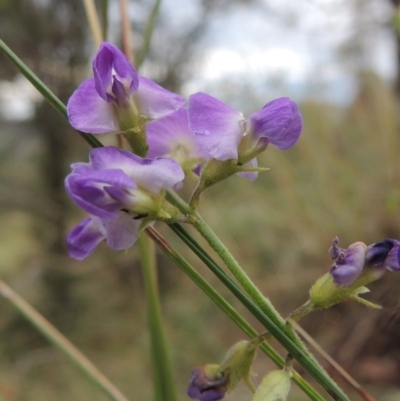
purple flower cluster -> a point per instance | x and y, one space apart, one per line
118 189
365 263
123 192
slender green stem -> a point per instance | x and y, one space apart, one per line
227 308
305 359
162 370
148 33
62 343
272 321
44 90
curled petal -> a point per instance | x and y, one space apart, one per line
279 121
392 261
108 62
87 191
385 253
216 126
88 112
349 265
155 102
84 238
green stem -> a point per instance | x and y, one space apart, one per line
161 364
44 90
148 33
227 308
273 322
316 371
62 343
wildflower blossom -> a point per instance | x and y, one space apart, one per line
117 98
226 134
172 137
359 263
118 189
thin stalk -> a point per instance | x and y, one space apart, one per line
354 383
93 20
148 33
281 333
227 308
104 19
126 31
314 369
62 343
161 364
44 90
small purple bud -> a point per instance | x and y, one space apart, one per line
348 264
205 387
385 254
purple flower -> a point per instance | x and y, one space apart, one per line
172 137
225 134
205 388
362 263
385 254
349 263
116 180
120 233
118 189
117 98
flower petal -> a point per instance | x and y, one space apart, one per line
84 238
155 102
88 112
158 174
385 253
108 61
349 266
122 232
110 157
280 121
172 137
215 125
87 191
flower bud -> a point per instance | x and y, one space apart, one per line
274 387
348 264
212 381
346 278
207 383
238 361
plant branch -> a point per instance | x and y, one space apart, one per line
93 20
63 344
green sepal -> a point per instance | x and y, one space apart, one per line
238 362
325 293
215 171
274 387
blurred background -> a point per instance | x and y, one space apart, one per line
338 59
